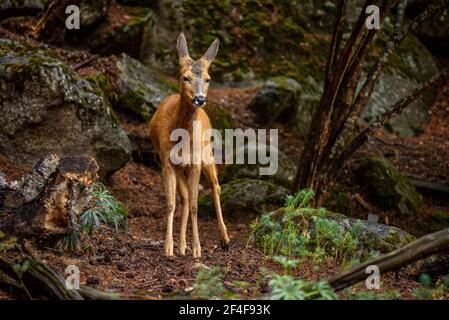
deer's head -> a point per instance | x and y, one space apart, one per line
195 78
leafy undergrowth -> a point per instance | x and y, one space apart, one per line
292 236
104 210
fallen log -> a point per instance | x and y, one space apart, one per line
421 248
46 202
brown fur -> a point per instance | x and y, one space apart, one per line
178 111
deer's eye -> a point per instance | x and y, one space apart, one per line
207 80
186 79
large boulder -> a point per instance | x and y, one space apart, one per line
93 11
140 89
371 237
390 188
46 107
277 99
284 174
220 117
244 196
124 29
410 65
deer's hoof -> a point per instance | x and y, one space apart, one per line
182 251
168 252
225 245
197 253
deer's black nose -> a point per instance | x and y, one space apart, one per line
199 100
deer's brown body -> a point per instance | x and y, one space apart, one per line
179 111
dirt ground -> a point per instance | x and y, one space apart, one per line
133 262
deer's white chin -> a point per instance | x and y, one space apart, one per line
198 105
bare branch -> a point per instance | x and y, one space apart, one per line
373 76
398 107
336 39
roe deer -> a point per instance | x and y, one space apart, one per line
179 111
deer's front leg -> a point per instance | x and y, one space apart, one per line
169 181
184 193
193 179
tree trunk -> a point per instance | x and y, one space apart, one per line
46 203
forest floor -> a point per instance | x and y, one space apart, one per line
133 262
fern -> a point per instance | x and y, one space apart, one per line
105 210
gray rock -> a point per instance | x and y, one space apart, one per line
93 11
23 5
46 107
140 88
411 65
284 175
388 186
244 196
374 236
277 99
127 35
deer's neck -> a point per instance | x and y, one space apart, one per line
187 113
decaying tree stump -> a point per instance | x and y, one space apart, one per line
47 201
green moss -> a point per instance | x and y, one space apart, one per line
388 186
251 36
100 84
339 201
220 117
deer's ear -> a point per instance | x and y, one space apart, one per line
181 45
211 53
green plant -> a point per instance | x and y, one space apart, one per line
286 287
105 209
7 243
440 290
209 282
287 264
305 232
299 200
425 279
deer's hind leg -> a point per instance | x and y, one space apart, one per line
169 181
210 172
184 194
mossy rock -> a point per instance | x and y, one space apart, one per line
127 35
59 112
390 188
140 89
339 201
277 99
220 118
93 11
244 196
371 237
284 172
17 7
